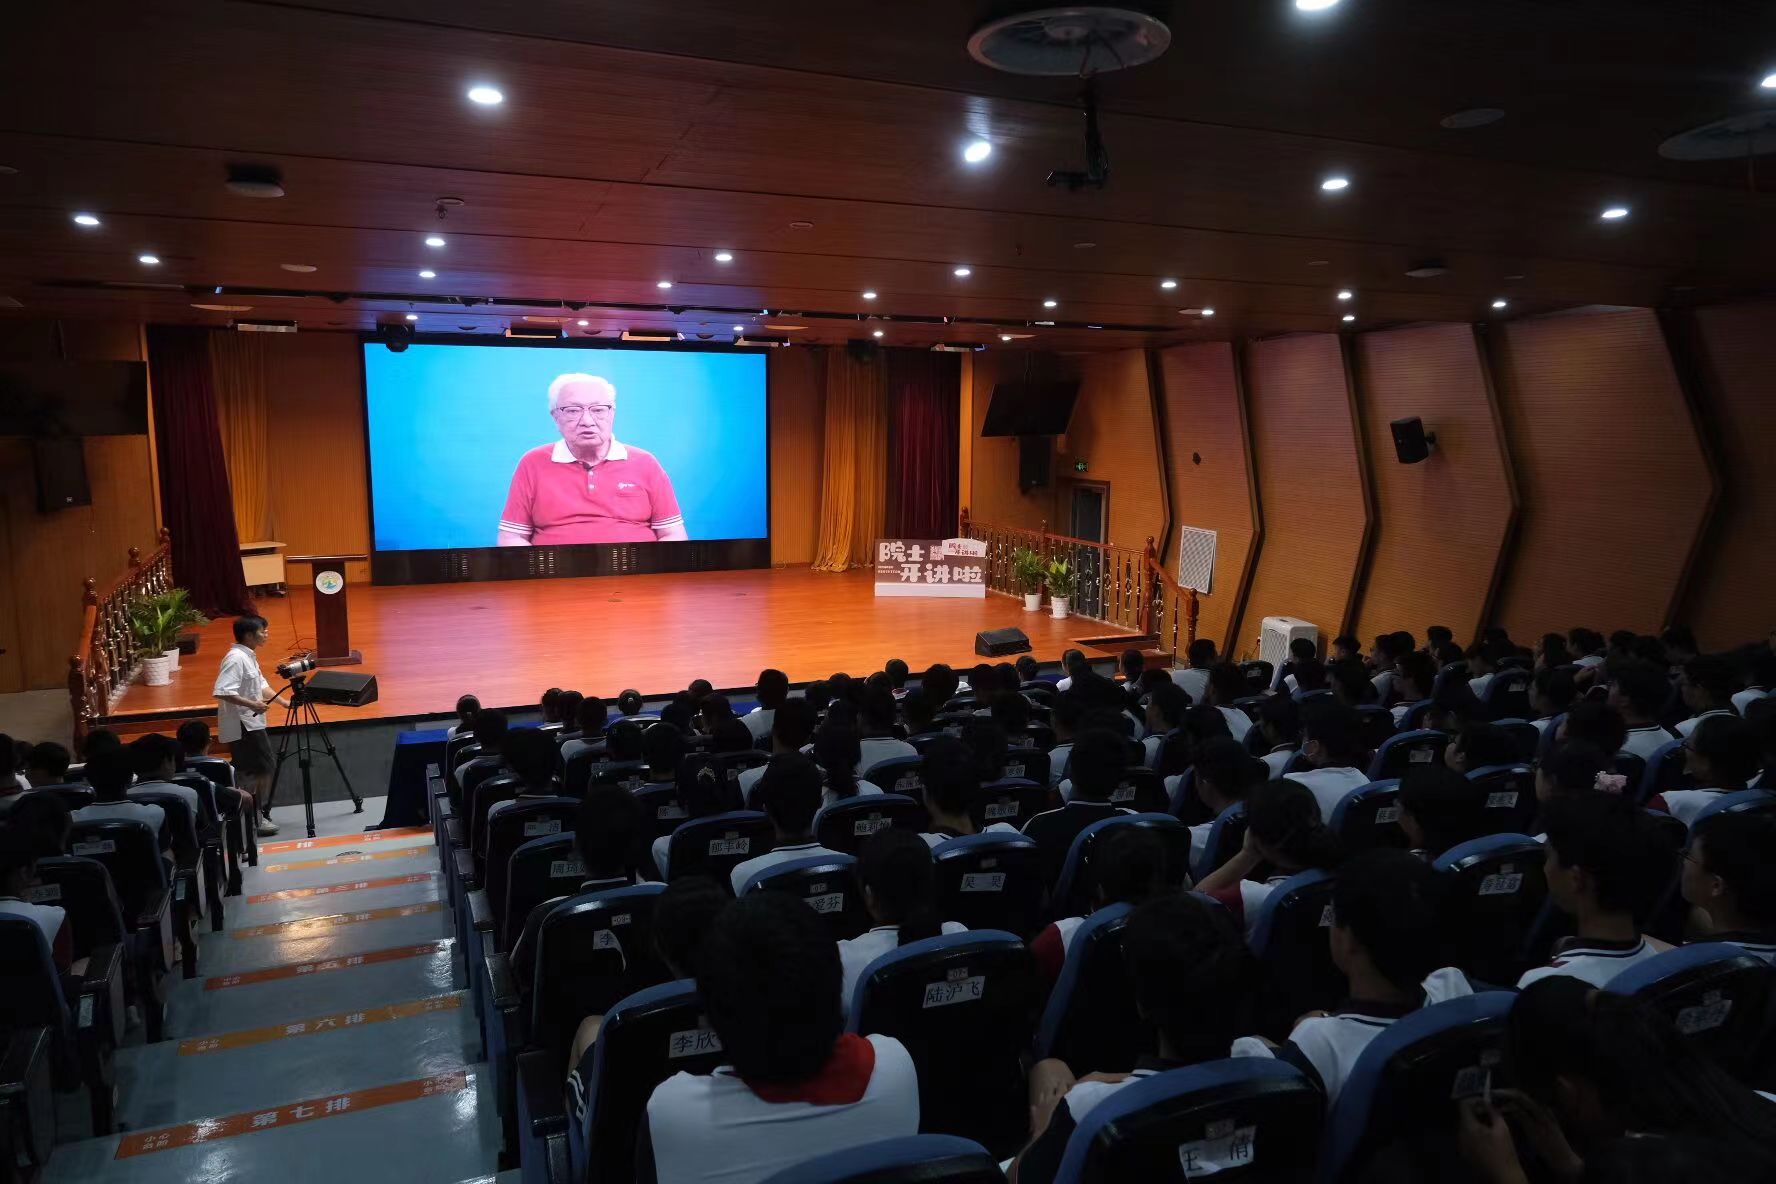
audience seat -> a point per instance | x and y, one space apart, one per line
538 869
663 809
1511 804
991 881
1227 834
964 1006
849 822
75 797
83 1016
1141 790
1525 735
629 775
1736 803
828 884
1717 995
1252 705
715 845
1374 725
1369 816
1074 891
180 831
576 774
1259 675
709 782
131 857
1413 720
1403 750
1397 1107
898 774
1011 800
1090 1021
82 887
1496 897
1039 736
510 829
1664 772
1290 939
1246 1119
1025 763
1507 695
915 1159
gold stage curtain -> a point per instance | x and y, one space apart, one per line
855 465
239 366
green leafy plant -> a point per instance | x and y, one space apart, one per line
157 620
1028 569
1060 578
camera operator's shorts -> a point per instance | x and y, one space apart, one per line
252 753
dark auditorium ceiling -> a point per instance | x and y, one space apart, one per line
821 144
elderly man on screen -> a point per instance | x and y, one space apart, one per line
588 486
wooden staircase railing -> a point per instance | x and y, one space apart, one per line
105 654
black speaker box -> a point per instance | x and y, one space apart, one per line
60 465
339 689
992 643
1411 442
1034 455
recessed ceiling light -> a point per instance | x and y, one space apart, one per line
869 295
724 256
86 219
876 333
1004 337
428 274
434 240
1349 316
582 324
487 96
1613 212
1050 303
149 260
1769 82
1345 294
300 268
1208 312
977 151
1315 5
1500 303
801 224
413 316
663 285
962 273
1334 184
739 328
1168 285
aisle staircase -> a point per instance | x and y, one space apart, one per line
325 1037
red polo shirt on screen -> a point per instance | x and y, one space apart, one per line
556 498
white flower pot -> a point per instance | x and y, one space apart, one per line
172 656
1058 604
1032 602
156 672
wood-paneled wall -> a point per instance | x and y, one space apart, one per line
45 557
1114 431
797 413
994 488
1211 472
1441 525
1310 483
1612 476
320 499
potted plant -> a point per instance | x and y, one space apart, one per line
157 621
1028 570
1060 587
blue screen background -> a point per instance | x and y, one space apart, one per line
449 422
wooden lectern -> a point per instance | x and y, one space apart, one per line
332 623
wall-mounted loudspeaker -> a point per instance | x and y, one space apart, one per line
60 464
1411 442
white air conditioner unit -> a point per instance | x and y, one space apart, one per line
1278 632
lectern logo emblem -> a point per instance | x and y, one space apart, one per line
328 583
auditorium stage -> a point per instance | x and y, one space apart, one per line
508 641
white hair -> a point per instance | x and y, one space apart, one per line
566 380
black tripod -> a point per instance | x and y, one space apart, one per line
303 722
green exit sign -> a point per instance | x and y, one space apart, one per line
1079 466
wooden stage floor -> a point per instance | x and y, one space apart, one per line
508 641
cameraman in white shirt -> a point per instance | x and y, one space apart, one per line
243 696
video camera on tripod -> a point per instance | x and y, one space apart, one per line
302 724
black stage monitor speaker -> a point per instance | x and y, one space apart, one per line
1034 453
992 643
1411 442
60 464
338 689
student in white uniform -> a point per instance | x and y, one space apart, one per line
1195 677
46 764
1415 674
790 797
1551 693
835 750
155 758
1386 939
589 723
796 1085
1165 713
108 772
1193 981
1707 686
1760 680
1587 646
1639 691
1601 855
1279 718
1331 744
1302 649
1729 880
1227 684
1482 659
1074 663
18 875
1721 755
950 783
1225 774
876 720
900 895
1284 830
773 692
1064 717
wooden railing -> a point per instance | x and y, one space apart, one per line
105 654
1121 586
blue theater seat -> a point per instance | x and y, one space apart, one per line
1496 894
916 1159
1403 750
828 884
1510 802
1291 940
1369 816
1090 1021
847 824
1075 890
1717 995
991 881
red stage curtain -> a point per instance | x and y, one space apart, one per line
924 415
194 497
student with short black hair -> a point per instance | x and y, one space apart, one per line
939 682
1301 649
1331 743
1759 678
1383 659
900 894
1284 830
796 1085
1639 692
818 695
1226 686
1729 880
466 707
1551 693
1350 682
699 690
1721 755
629 702
155 759
950 782
1479 746
1594 723
551 706
1483 659
18 874
681 713
1166 707
589 723
608 828
1680 644
1551 652
1128 866
568 708
1415 675
1387 938
490 728
1310 675
1224 774
1587 646
662 748
47 763
1436 637
1194 678
1577 767
45 819
1028 668
1346 648
1279 717
1095 770
1707 686
531 753
108 772
1440 808
1065 716
789 794
1600 858
898 671
1193 981
773 690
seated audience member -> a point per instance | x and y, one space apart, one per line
681 713
608 827
1193 980
898 671
629 703
1331 744
1436 637
1165 714
1028 669
683 914
154 759
789 794
1225 774
1415 674
1721 755
622 740
950 781
1279 717
1443 655
662 748
45 820
900 895
1609 1090
773 691
1621 645
818 695
1284 830
796 1085
1483 658
568 707
1707 686
1576 767
1011 713
983 684
1310 675
18 874
1440 808
939 682
1680 644
792 727
551 707
1587 647
1346 648
1383 663
588 727
1350 682
1404 642
1600 856
1301 649
1729 880
1551 652
875 718
1131 665
711 712
920 714
1074 663
1096 770
531 753
1128 867
1387 939
1594 723
47 763
1551 693
1639 693
699 690
1194 678
490 735
1760 680
836 751
12 782
1479 746
108 772
194 741
1064 717
466 707
1226 686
